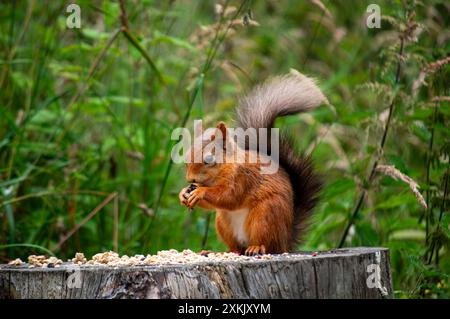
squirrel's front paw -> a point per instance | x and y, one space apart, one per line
186 192
195 196
183 196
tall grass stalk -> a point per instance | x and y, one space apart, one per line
380 149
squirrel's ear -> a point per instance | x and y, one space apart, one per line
223 131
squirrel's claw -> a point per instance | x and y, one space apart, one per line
181 196
255 250
194 197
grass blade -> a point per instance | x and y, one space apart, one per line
28 246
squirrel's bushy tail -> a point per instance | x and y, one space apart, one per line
280 96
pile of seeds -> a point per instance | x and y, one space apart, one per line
164 257
79 259
44 262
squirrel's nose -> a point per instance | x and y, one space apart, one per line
191 180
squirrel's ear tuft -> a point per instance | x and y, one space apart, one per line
221 127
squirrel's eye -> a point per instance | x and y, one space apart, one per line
209 159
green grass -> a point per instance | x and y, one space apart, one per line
85 113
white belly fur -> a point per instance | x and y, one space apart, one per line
237 220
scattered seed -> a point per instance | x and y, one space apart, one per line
16 262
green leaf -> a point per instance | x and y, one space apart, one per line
94 34
395 201
408 234
158 37
367 234
338 188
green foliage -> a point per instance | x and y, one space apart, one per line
88 112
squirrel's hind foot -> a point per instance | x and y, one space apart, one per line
255 250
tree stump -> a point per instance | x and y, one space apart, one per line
341 273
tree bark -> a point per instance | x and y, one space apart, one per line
341 273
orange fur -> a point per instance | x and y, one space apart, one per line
233 189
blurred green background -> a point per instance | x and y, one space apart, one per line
86 117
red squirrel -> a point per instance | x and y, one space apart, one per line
260 213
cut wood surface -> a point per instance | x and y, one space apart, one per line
342 273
